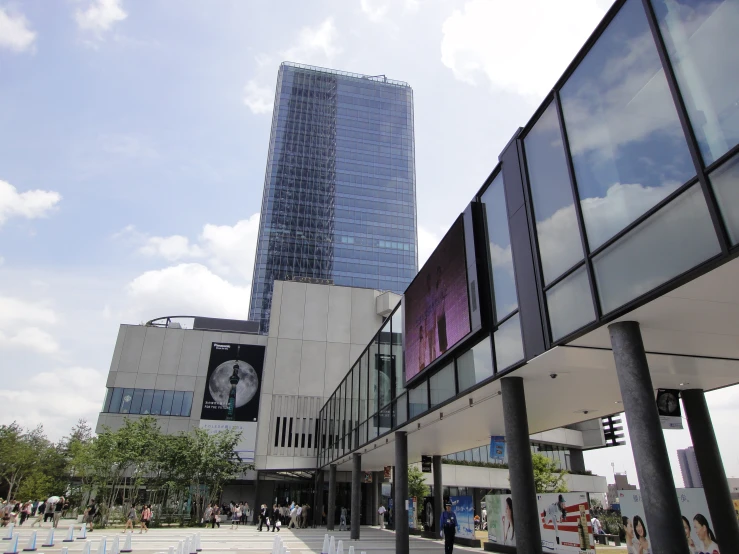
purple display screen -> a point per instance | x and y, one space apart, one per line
437 312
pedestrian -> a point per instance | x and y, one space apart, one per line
293 516
342 519
59 509
448 527
130 519
145 519
381 512
235 516
207 514
40 508
215 517
90 513
276 523
49 511
262 516
304 515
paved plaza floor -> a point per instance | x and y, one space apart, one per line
244 539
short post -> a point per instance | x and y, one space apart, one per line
13 545
324 549
87 549
83 531
127 547
49 538
102 546
9 532
31 545
70 534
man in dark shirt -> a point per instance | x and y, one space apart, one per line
448 526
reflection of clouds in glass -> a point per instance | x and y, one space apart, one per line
570 304
508 343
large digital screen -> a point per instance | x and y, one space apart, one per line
437 314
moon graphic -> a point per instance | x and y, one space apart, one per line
220 387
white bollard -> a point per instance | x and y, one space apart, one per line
332 545
87 548
9 533
65 550
49 539
276 546
198 548
171 550
13 545
83 531
116 546
340 547
186 546
193 544
324 550
181 547
103 545
351 549
31 545
70 534
127 544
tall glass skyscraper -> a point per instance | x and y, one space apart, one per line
339 199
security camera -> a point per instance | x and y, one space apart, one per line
553 375
585 412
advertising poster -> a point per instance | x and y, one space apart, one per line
498 449
696 520
412 513
464 509
437 312
500 519
668 407
565 523
231 396
736 508
429 514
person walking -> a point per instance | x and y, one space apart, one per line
130 519
145 519
293 517
49 512
448 527
342 519
276 523
90 513
381 512
207 514
25 511
235 516
215 517
40 509
304 515
262 516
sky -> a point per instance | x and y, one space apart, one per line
133 143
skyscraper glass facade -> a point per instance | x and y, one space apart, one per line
339 199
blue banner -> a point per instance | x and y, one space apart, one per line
497 449
463 508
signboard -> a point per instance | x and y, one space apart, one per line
412 506
464 508
565 523
233 382
387 473
426 464
696 520
668 406
366 477
231 396
436 303
497 449
736 508
500 519
429 514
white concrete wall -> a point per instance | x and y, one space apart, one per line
167 359
316 333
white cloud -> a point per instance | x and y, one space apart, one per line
56 398
31 204
20 325
375 11
29 338
172 248
185 289
257 98
477 41
100 16
14 32
315 45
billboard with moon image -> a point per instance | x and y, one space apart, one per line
233 382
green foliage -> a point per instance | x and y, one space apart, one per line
548 477
473 464
416 485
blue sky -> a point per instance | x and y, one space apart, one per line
133 141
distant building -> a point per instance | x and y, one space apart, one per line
621 484
689 468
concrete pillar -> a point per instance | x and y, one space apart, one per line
520 467
577 460
402 544
661 506
438 493
331 511
377 478
711 470
318 499
356 495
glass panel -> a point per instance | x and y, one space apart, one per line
138 396
177 403
126 403
627 145
355 396
373 352
115 402
570 304
167 402
385 368
725 181
397 332
672 241
187 404
501 262
508 343
362 438
401 410
418 399
560 246
475 365
372 428
363 387
442 385
703 46
146 402
156 402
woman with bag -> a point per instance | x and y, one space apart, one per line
216 515
145 518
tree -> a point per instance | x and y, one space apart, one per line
416 483
548 477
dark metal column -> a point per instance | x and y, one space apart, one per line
331 511
711 470
661 506
356 495
318 499
438 494
520 467
402 544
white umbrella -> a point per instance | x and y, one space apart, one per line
52 499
